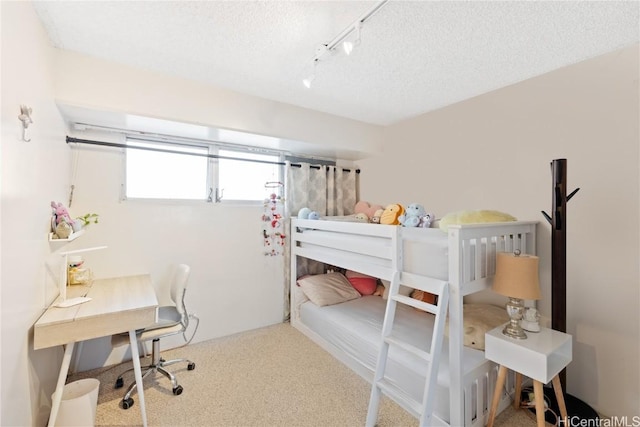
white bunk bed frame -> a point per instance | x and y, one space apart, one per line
377 250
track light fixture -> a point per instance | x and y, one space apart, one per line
307 81
341 38
349 45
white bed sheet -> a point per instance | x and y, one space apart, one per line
355 327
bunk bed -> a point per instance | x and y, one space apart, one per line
464 256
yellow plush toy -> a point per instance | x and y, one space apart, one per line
391 213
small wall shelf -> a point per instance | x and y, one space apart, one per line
72 237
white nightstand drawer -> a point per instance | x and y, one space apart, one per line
541 356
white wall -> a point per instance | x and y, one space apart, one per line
494 151
33 174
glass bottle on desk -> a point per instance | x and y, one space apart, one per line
77 274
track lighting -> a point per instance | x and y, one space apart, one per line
348 46
307 81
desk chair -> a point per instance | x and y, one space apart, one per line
172 320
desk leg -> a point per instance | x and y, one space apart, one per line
539 397
62 378
502 374
138 374
557 387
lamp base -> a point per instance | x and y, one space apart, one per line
514 332
515 310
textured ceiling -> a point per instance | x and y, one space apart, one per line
414 56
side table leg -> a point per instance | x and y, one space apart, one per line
557 387
502 374
518 391
539 395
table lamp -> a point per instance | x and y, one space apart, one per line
516 278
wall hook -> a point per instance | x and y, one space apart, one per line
25 118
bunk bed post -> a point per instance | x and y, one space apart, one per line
293 274
456 393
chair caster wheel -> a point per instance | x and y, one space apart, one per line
127 403
191 366
178 390
119 383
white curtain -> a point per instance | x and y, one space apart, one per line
328 190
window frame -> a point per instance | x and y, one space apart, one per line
213 169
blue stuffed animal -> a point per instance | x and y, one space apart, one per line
416 216
304 213
412 215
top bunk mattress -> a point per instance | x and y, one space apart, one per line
355 328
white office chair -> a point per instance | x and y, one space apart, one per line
172 320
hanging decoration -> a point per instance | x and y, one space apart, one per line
273 220
25 118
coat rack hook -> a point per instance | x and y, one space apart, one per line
572 193
25 118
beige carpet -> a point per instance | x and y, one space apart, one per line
273 376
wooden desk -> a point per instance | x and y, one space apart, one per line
121 304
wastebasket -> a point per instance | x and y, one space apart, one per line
79 403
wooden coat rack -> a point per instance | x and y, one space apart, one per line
558 222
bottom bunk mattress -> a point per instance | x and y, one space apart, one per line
354 328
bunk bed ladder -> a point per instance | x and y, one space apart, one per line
422 410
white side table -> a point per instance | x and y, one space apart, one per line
540 357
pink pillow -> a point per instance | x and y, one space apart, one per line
365 285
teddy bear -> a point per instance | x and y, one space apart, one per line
426 220
412 216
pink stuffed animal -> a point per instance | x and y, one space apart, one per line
60 213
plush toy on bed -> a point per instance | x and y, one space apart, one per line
376 216
415 216
366 208
391 214
426 220
479 319
474 217
304 213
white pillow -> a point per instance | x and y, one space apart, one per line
328 289
473 217
404 290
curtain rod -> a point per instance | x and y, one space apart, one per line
71 140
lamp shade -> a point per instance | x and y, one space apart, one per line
517 276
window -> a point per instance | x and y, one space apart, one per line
177 174
157 170
245 180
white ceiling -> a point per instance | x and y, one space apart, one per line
414 56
